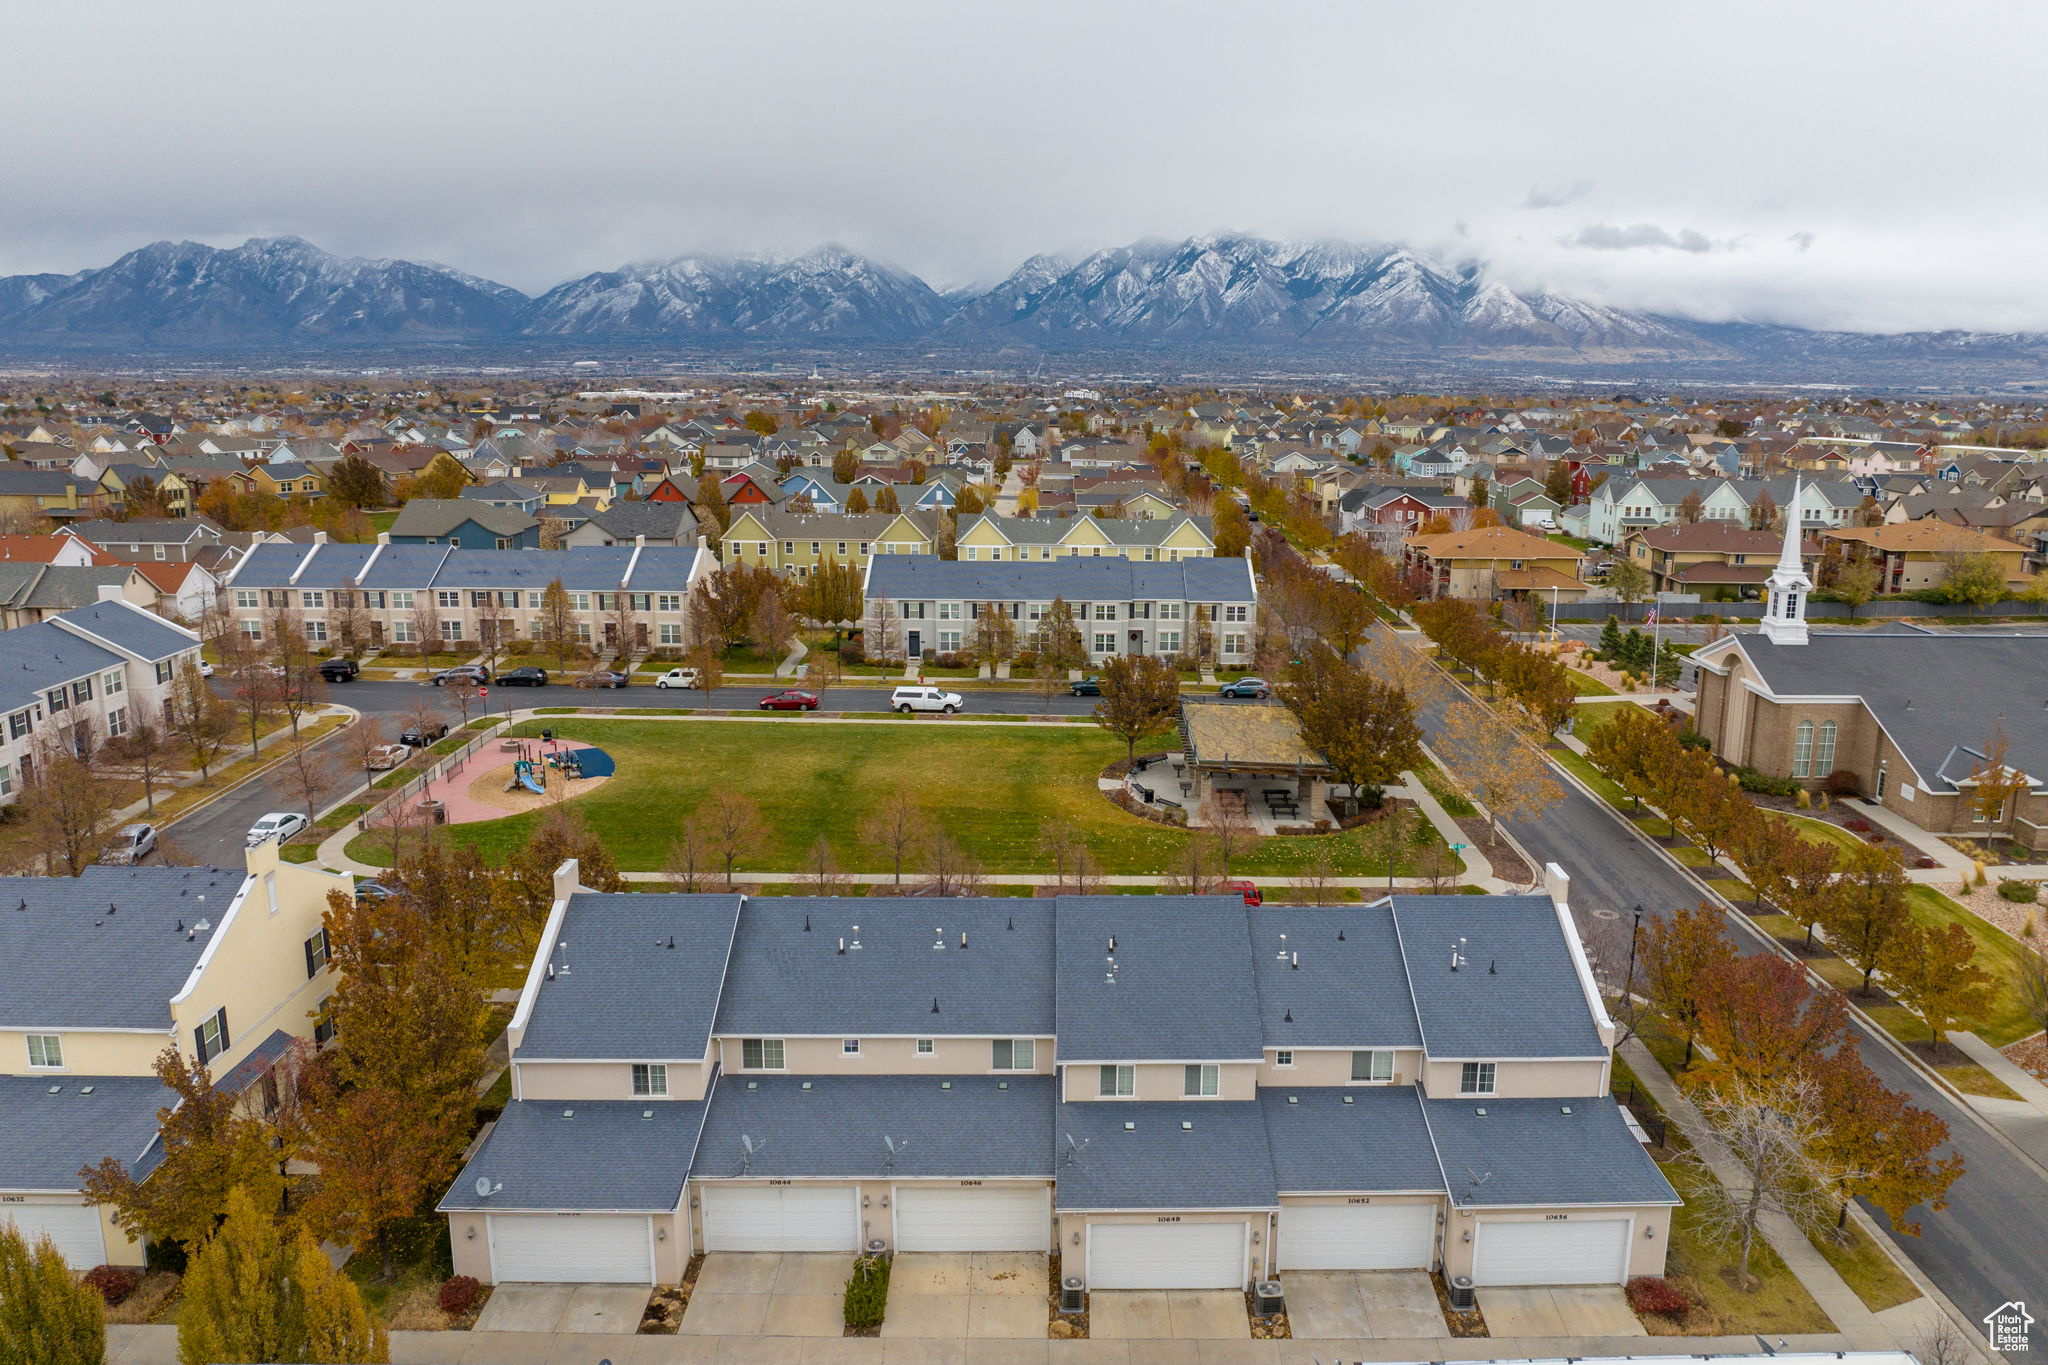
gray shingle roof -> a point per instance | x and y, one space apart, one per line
1219 1161
1518 993
598 568
587 1155
1183 987
70 964
1532 1152
927 577
61 586
128 627
627 993
1326 1138
655 520
47 1138
1343 993
37 657
439 516
973 1127
785 981
1950 723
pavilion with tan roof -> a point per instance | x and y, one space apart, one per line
1246 756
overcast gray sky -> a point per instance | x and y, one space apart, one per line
1869 164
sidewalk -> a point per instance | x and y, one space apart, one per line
1953 863
158 1345
2024 1120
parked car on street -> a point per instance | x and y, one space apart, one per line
475 673
1090 686
340 670
1249 890
794 699
677 677
1246 687
367 890
601 677
278 825
420 736
205 669
528 676
132 843
918 698
386 756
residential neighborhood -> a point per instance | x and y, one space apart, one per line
1486 768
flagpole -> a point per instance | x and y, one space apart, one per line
1656 643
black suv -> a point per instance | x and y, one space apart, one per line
420 736
528 676
340 670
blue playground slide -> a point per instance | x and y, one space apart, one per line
526 781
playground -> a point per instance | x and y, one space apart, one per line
536 774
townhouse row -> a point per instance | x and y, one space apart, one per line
410 594
921 604
1172 1092
80 678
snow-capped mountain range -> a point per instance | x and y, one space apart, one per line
1217 293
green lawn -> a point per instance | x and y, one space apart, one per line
1586 685
1822 832
1872 1273
1579 543
381 521
1779 1303
991 788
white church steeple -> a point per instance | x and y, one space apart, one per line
1785 603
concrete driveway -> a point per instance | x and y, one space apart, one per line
1179 1314
564 1308
769 1294
1587 1311
1328 1305
981 1296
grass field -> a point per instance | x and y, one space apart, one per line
991 788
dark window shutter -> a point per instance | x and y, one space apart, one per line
223 1017
199 1045
310 968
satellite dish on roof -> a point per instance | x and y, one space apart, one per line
485 1189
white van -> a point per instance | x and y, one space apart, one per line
908 699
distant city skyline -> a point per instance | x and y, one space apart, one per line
1749 161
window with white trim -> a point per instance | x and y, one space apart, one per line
316 632
401 632
117 722
761 1054
245 599
1117 1082
45 1050
1802 749
451 630
1169 642
1372 1067
925 1047
1200 1081
1236 613
1824 750
444 597
1013 1054
1284 1057
949 641
650 1078
1233 644
668 601
1105 642
314 598
670 633
211 1037
949 611
1476 1078
1105 611
318 953
849 1047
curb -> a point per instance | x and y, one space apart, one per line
350 717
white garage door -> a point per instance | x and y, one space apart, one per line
74 1228
1167 1255
1357 1236
935 1218
583 1249
780 1218
1590 1252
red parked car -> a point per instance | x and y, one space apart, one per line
792 700
1249 890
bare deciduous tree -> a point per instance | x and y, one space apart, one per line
1230 830
199 719
897 827
821 869
146 751
1769 1141
688 855
953 873
734 825
65 805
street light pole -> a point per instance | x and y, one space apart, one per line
1635 932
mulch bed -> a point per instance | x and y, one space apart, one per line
1267 1326
1063 1326
1469 1323
1507 864
2030 1055
664 1315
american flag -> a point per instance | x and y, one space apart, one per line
1651 619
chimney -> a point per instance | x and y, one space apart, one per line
1557 884
319 537
383 537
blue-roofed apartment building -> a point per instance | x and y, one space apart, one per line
1176 1092
104 971
83 677
456 594
920 604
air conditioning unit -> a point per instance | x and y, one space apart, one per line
1073 1295
1459 1290
1271 1298
876 1246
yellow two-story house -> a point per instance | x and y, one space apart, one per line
795 543
1159 539
103 973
